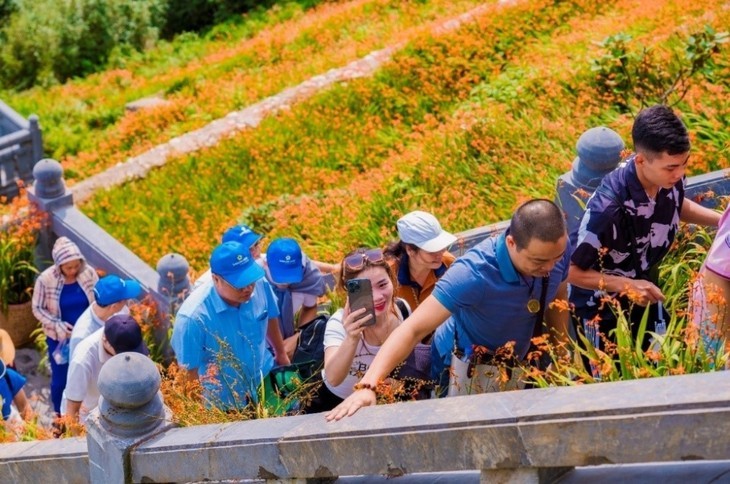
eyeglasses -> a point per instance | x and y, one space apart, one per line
232 286
358 260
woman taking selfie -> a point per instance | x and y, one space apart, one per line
354 334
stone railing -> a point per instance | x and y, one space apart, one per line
168 284
20 148
523 436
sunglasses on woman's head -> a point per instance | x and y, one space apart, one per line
357 261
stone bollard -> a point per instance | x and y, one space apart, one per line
173 288
36 137
130 411
174 281
49 192
599 152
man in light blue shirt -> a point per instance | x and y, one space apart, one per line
489 297
221 330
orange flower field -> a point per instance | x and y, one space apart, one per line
85 124
465 124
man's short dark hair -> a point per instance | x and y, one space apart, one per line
537 219
659 130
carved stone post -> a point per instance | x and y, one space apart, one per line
36 139
173 288
49 192
174 282
130 411
599 152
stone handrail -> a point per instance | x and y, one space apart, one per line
535 432
168 284
58 460
530 435
20 148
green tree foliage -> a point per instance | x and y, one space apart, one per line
6 8
633 78
49 41
197 15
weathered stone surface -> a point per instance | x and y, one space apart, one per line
146 103
231 450
63 461
665 419
522 476
129 380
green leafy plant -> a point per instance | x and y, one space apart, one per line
636 78
682 349
17 246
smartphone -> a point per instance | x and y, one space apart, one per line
360 295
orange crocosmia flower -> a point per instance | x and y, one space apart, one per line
653 356
581 193
560 305
677 371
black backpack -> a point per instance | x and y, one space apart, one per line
309 354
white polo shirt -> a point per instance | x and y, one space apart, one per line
83 373
85 326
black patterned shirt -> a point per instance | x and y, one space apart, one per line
632 228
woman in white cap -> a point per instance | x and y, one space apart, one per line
419 258
61 294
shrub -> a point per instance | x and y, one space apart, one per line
6 8
197 15
636 78
46 42
19 228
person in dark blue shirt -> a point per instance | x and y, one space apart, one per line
630 223
11 382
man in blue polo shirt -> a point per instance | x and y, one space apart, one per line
490 297
630 223
221 329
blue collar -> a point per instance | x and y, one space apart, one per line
404 274
219 305
506 267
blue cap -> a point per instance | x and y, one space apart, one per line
124 334
241 234
233 262
284 258
112 289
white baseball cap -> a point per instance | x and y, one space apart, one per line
424 231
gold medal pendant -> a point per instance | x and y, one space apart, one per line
533 305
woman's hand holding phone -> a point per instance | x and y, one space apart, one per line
355 322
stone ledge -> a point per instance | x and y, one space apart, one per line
663 419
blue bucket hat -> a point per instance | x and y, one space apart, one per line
242 234
284 258
112 289
233 262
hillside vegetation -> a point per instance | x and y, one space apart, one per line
465 124
204 77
